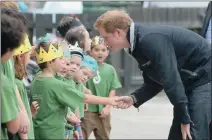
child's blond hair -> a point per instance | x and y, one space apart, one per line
112 20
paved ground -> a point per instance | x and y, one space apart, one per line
151 122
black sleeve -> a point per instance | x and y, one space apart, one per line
147 91
160 51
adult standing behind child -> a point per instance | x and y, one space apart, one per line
97 118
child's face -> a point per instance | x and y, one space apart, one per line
100 53
83 75
57 65
75 62
87 41
66 69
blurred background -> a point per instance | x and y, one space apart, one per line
44 16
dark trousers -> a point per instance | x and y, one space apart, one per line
199 105
211 130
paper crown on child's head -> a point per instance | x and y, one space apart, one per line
75 50
67 23
52 53
71 50
24 47
22 6
96 41
49 37
90 62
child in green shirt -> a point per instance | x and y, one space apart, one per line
11 37
54 95
21 59
104 84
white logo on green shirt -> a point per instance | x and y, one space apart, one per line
97 78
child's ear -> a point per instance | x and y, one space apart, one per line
20 57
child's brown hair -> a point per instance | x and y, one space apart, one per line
77 34
20 68
112 20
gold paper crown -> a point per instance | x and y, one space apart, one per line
96 41
52 53
24 47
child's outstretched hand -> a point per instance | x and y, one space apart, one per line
34 108
105 112
113 101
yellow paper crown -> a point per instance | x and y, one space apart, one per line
52 53
24 47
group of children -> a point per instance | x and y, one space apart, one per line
72 93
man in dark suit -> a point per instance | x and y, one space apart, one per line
206 33
171 58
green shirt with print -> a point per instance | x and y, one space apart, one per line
9 104
105 80
53 96
24 97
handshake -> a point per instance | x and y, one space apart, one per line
122 102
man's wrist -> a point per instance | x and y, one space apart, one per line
183 113
133 98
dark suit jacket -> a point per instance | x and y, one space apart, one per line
206 20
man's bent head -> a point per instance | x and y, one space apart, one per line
113 26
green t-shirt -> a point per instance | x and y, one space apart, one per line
8 70
80 88
101 85
53 96
9 104
24 97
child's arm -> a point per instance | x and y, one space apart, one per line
86 90
25 123
111 94
14 125
106 110
92 99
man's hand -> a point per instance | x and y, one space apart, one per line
34 108
105 112
25 123
185 129
124 102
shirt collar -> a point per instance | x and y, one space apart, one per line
130 37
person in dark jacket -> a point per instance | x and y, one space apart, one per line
171 58
206 33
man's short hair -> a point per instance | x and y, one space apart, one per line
13 29
112 20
